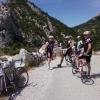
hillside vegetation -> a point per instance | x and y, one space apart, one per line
94 26
28 26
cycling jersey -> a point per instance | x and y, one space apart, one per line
88 56
50 47
79 45
69 49
87 41
68 44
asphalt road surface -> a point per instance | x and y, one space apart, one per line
60 83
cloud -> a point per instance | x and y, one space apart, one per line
95 3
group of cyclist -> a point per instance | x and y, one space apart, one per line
82 49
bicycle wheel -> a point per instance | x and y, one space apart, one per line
84 77
21 77
68 59
74 71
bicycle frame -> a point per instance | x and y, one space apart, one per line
82 65
3 81
5 77
71 59
9 76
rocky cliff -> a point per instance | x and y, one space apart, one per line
23 24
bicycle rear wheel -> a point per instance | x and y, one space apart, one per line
68 59
21 77
74 70
84 75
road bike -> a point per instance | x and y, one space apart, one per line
70 59
13 77
82 69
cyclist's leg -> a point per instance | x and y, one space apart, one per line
80 67
62 58
88 60
76 62
80 63
61 61
49 55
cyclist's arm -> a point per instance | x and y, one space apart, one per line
81 42
46 44
69 48
45 47
89 48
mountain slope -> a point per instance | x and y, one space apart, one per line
94 26
26 25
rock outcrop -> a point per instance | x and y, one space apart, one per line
23 24
9 29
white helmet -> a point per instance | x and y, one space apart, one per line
87 33
78 37
67 37
51 37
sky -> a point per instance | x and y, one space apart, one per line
70 12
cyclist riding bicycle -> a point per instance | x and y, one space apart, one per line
49 49
69 49
88 46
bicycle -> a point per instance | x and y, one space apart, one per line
13 77
70 59
82 69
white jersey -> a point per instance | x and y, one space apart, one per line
79 45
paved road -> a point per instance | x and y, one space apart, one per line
60 84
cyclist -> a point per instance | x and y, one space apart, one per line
79 44
79 49
69 49
88 46
74 48
49 49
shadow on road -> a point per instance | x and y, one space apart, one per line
59 67
14 95
62 66
95 76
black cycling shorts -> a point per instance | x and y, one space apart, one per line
68 52
88 58
49 55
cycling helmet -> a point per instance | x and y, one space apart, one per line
67 37
51 37
87 33
78 37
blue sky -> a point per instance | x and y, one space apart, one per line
70 12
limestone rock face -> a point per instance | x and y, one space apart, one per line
9 29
